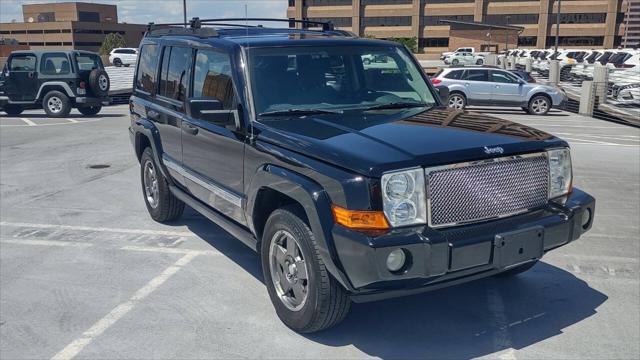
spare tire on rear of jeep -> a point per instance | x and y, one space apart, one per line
99 82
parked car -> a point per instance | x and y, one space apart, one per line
123 56
457 51
464 58
55 81
496 87
353 183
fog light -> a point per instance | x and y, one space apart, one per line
586 218
396 260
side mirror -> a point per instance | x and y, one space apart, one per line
211 110
443 92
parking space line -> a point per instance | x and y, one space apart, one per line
97 229
72 120
71 350
28 122
45 243
170 250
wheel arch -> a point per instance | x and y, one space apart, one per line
54 86
539 93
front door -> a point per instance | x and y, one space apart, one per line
212 150
22 80
507 89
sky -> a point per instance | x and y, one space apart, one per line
163 11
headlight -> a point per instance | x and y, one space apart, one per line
560 174
403 197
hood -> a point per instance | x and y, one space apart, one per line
373 143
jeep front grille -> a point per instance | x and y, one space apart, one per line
470 192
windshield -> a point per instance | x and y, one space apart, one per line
335 78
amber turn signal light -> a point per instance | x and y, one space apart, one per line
360 220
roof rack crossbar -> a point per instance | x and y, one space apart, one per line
326 25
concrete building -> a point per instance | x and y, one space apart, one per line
69 25
584 23
631 37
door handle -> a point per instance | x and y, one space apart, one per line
153 115
189 129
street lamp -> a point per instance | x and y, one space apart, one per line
506 34
184 11
555 55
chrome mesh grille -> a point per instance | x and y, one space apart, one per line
465 193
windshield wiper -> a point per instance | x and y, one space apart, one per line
310 111
396 105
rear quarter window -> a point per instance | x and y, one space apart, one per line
147 66
88 62
454 75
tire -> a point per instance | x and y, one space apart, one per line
518 270
117 62
479 62
89 110
525 109
162 205
99 82
455 62
366 61
539 105
457 101
320 301
56 104
13 109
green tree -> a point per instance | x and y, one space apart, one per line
112 41
410 43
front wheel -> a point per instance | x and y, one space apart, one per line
56 104
455 62
89 110
13 110
457 101
162 205
305 296
539 105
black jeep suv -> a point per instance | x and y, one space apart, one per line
349 177
55 81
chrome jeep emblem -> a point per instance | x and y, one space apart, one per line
493 150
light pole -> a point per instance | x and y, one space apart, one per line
506 35
184 11
555 55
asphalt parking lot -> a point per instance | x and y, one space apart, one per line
86 273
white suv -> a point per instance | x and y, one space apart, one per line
123 56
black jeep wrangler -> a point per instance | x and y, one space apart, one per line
55 81
349 177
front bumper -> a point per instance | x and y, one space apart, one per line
446 257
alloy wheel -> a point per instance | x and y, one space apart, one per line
151 189
54 104
288 270
540 106
456 102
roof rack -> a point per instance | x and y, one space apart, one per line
195 26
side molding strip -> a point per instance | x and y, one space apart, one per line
218 191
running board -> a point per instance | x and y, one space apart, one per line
227 225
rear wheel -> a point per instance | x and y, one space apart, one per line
455 62
306 297
161 203
13 110
56 104
539 105
457 101
479 62
117 62
89 110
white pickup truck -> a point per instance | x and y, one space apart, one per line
458 50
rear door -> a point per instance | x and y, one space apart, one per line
477 86
213 149
22 81
85 62
507 90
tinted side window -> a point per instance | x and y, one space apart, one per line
55 64
22 62
146 77
88 62
173 79
503 77
212 77
476 75
454 75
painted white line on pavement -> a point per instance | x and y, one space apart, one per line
71 350
28 122
170 250
54 124
98 229
45 243
72 120
501 338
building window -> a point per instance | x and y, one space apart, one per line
504 19
19 31
47 17
147 66
435 20
337 21
527 41
54 64
88 16
54 31
385 2
434 42
576 41
66 31
327 2
292 3
34 31
37 43
88 43
584 18
87 31
448 1
387 21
